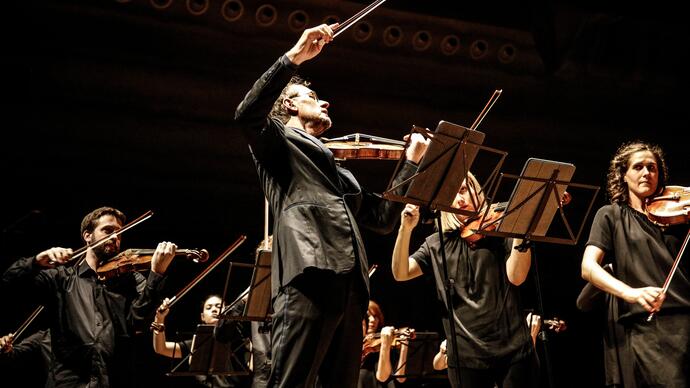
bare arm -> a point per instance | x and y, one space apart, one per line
160 345
402 266
650 298
383 371
518 264
402 361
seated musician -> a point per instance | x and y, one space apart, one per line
376 369
210 311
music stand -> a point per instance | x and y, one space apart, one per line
535 199
420 357
257 297
537 195
209 357
445 165
452 150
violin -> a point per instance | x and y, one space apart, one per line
372 342
489 221
138 260
555 324
361 146
670 207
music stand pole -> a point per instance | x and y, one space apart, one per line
449 289
542 333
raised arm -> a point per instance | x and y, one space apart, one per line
518 264
160 345
402 265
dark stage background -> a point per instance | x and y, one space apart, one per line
130 104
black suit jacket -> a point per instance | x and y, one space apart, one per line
317 205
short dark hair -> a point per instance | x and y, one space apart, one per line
616 187
203 302
89 222
278 111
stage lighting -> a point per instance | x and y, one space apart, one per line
362 31
507 53
478 49
197 7
392 36
331 19
450 44
421 40
266 15
298 20
161 4
232 10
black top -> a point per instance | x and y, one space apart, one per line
643 254
367 372
489 323
317 205
29 363
91 322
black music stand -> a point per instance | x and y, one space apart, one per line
420 357
538 194
446 163
257 297
208 357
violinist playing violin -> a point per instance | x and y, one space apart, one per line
494 345
643 254
319 266
92 322
377 368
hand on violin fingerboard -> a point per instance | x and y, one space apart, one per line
310 43
53 256
165 252
417 148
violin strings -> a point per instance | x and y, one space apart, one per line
354 19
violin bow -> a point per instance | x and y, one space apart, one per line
356 17
81 251
25 324
487 108
673 270
208 269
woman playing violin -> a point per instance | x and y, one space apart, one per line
491 333
377 368
642 254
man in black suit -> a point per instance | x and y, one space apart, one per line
319 269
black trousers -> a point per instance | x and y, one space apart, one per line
317 331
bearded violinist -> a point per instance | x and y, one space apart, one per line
642 254
319 267
92 322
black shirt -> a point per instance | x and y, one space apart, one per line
488 317
29 363
91 322
643 254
